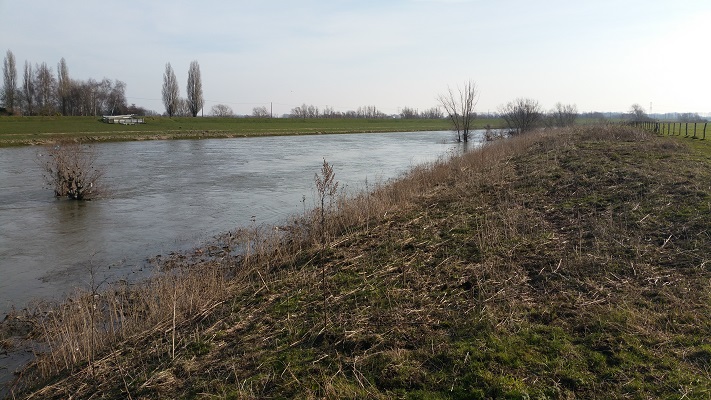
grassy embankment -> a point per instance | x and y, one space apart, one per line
34 130
572 263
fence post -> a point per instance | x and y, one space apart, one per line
687 129
705 123
695 129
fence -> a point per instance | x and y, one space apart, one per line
688 129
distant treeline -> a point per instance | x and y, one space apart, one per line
39 91
368 112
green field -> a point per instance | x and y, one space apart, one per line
16 131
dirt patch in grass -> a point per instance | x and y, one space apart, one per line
568 263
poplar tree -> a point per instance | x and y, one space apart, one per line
9 89
64 85
171 92
28 88
195 99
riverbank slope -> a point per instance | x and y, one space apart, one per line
568 263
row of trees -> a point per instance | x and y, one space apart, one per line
194 100
39 91
311 111
413 113
369 112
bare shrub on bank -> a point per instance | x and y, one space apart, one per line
70 169
521 115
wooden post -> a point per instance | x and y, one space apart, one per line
695 129
705 123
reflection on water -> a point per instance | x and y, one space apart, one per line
173 195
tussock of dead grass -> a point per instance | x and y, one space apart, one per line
568 263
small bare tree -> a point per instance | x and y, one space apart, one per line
432 113
564 114
222 110
182 108
45 89
409 113
459 108
71 170
260 112
521 115
305 111
638 113
327 187
370 112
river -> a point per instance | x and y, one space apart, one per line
174 195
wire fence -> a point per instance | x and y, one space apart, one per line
694 130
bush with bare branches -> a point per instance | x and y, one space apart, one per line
71 170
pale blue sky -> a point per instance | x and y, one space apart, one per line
601 55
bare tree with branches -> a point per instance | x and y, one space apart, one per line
182 108
638 113
45 89
371 112
71 170
260 112
432 113
521 115
459 107
195 98
222 110
409 113
564 114
305 111
171 92
9 89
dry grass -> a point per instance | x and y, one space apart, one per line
569 263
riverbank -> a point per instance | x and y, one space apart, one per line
571 263
20 131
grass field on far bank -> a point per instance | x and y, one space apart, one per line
569 263
16 131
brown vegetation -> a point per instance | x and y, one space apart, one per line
71 170
560 265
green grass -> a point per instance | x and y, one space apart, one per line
32 130
690 130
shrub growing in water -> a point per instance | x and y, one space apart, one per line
71 171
